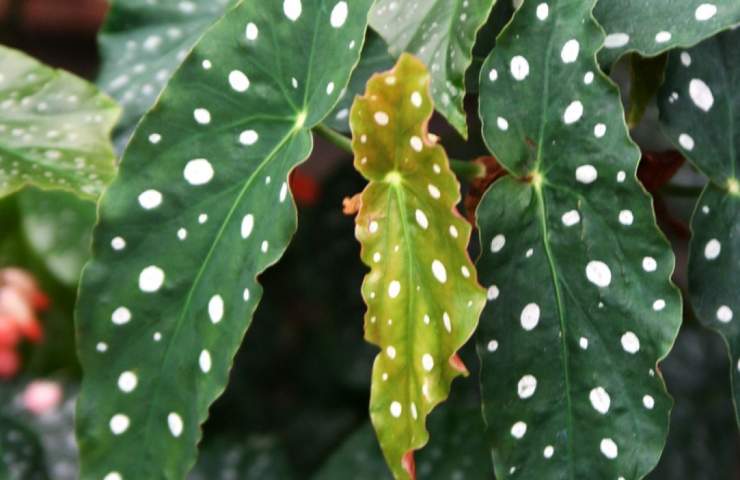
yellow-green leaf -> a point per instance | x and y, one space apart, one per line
422 295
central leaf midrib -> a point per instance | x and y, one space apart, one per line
542 213
410 323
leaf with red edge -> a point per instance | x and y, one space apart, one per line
422 295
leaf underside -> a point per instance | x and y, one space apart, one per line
656 26
441 33
581 307
172 285
700 112
422 295
54 129
141 45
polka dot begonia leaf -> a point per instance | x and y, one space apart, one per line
656 26
142 43
700 112
374 58
200 207
422 295
581 307
441 33
54 129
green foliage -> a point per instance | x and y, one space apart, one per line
646 77
142 43
22 454
655 26
172 285
700 112
54 129
58 228
374 58
457 450
422 295
259 458
441 33
578 275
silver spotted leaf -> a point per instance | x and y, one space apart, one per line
700 112
200 207
54 129
441 33
375 58
656 26
581 307
422 294
143 42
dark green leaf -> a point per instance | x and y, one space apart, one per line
656 26
374 58
200 207
578 275
441 33
646 76
700 112
422 294
54 129
143 42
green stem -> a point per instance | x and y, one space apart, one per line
334 137
467 170
464 169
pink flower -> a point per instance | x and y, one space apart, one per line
42 396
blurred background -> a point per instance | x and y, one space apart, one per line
296 406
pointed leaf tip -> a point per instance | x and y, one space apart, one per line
409 464
422 294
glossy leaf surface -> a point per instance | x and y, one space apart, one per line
578 275
700 112
172 285
422 295
655 26
141 45
54 129
441 33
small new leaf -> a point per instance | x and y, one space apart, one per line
422 295
581 304
441 33
700 111
54 129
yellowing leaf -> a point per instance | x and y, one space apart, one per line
422 295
